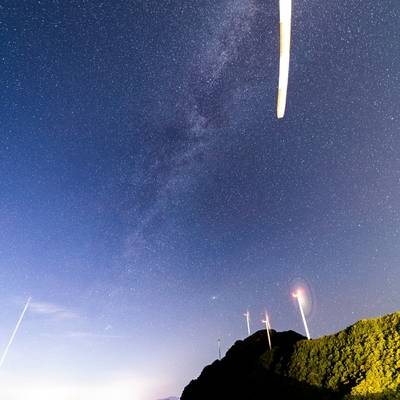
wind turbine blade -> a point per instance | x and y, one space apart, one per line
285 11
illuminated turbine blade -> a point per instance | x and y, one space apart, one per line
299 297
285 11
268 328
247 315
3 357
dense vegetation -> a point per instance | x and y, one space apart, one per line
361 362
363 359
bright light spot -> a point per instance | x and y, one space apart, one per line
301 290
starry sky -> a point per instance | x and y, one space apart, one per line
149 196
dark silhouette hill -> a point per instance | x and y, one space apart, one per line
360 362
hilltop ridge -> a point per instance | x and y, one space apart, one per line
359 362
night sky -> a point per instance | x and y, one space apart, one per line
149 196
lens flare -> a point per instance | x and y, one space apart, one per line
303 287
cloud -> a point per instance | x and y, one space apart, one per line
51 309
91 335
83 335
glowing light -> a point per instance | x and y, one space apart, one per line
303 286
5 352
298 294
285 10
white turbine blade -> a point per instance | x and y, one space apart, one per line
299 299
268 328
3 357
285 11
247 315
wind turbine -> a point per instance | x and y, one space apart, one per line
247 315
268 328
298 294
